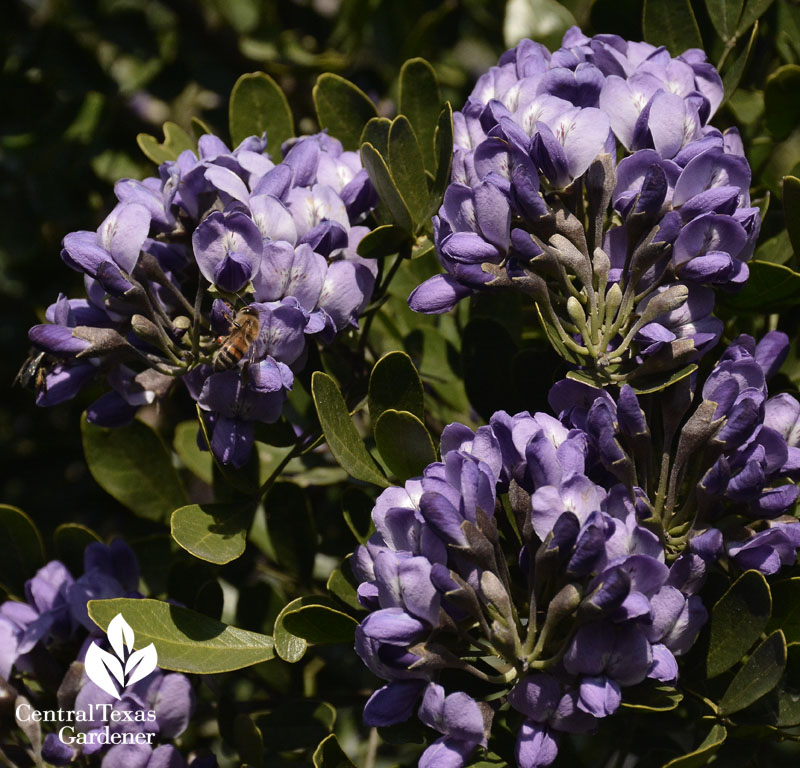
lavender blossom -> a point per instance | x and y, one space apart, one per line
171 265
598 612
535 180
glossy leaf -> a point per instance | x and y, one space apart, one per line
199 463
186 641
724 16
791 210
395 383
421 102
376 132
703 754
671 23
257 105
176 140
737 621
788 693
404 443
339 586
341 435
382 241
443 146
216 533
248 740
23 551
760 674
770 285
69 541
320 624
650 696
381 179
357 512
342 108
288 646
781 107
407 169
134 466
329 754
786 609
735 70
753 10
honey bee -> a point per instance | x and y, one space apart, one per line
33 373
245 327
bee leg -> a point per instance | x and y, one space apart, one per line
245 372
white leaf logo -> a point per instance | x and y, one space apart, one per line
115 673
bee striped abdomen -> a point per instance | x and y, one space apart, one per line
244 331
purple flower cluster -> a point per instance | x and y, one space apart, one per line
732 464
164 270
591 179
601 609
53 623
613 546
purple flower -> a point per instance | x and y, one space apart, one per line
238 403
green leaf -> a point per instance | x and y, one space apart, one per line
339 586
199 463
320 623
381 179
404 443
382 241
791 210
134 466
23 551
258 104
395 383
737 621
656 383
786 609
758 675
735 70
781 107
69 541
776 250
342 108
292 533
340 433
651 696
724 16
407 169
357 512
176 140
376 132
307 621
216 533
421 102
753 10
248 741
770 285
330 755
703 754
671 23
544 21
443 145
289 647
788 714
186 641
